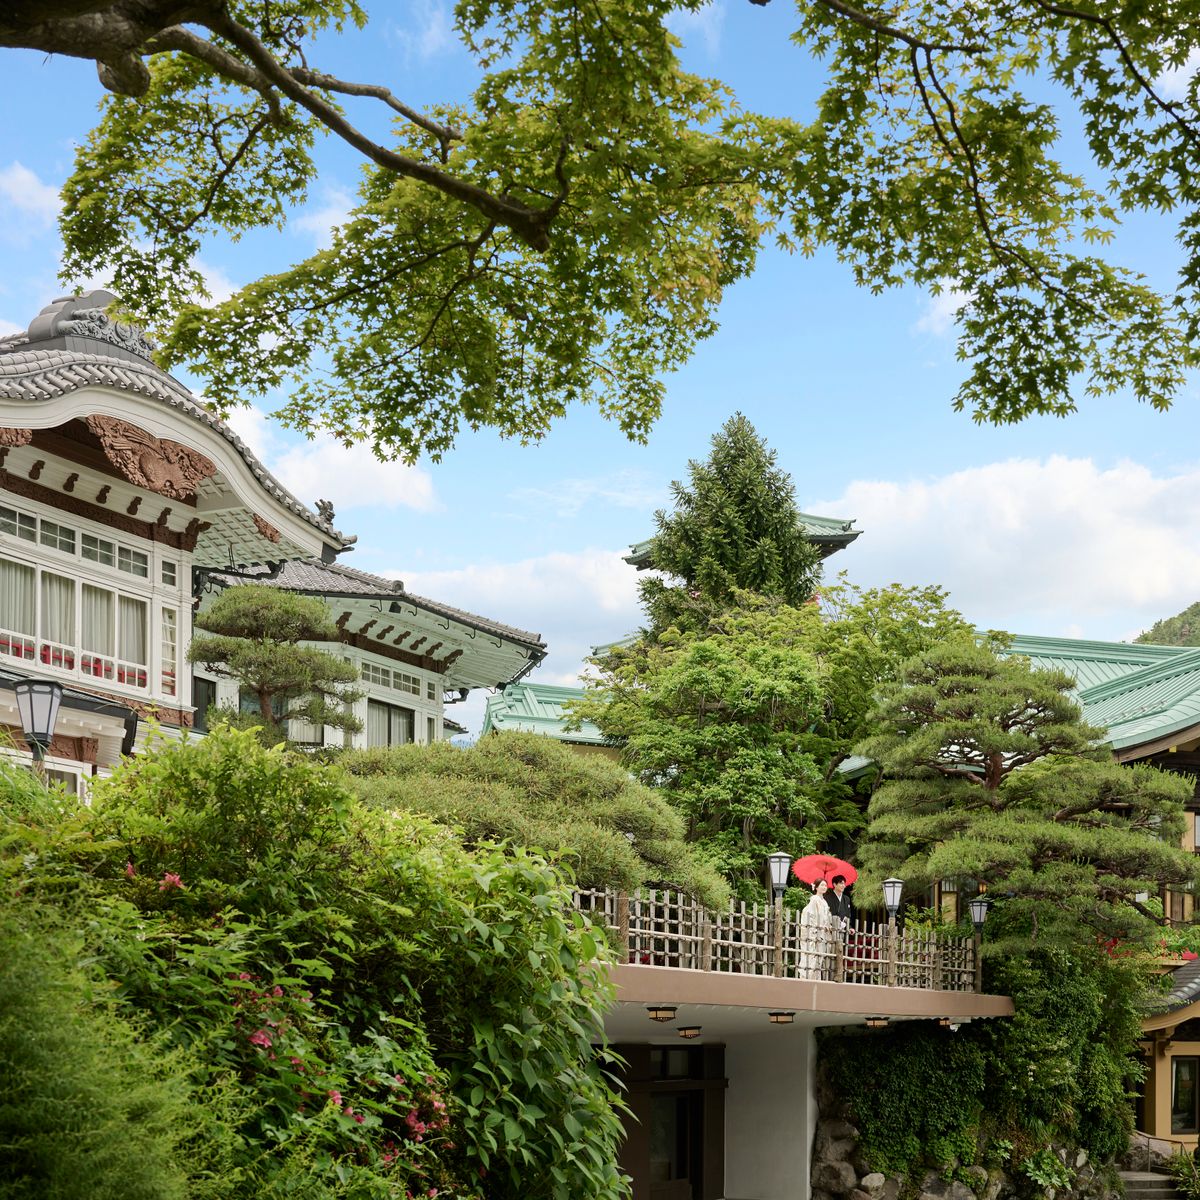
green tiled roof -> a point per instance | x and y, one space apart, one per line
1139 693
538 708
828 534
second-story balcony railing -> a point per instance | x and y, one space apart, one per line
668 929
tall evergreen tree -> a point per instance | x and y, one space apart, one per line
989 773
252 633
735 525
1183 629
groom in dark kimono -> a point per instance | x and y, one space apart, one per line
839 903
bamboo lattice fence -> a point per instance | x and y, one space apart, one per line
666 928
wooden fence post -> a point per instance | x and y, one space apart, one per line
705 963
936 980
777 948
978 962
839 956
623 926
890 977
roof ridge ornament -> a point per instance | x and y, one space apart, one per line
86 316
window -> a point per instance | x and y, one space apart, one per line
132 641
59 537
98 632
1185 1073
170 575
67 780
431 730
57 621
18 606
134 562
204 697
406 683
98 550
169 635
388 724
18 524
373 673
430 690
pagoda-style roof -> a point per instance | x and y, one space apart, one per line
539 708
828 534
82 386
381 616
1146 697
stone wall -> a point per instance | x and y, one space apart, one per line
839 1171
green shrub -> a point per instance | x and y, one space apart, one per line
532 791
91 1106
390 1012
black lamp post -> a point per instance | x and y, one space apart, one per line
979 912
38 702
892 889
778 864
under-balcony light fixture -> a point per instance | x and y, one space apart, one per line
689 1031
38 702
945 1022
876 1022
779 862
660 1012
891 895
781 1018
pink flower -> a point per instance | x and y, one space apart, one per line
277 991
170 880
335 1096
359 1118
130 870
261 1038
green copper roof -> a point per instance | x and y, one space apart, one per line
1139 693
538 708
828 534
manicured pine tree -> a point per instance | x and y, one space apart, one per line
734 526
989 773
252 633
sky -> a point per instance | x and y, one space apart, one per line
1077 527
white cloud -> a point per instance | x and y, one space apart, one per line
1058 546
705 24
21 190
574 600
321 219
349 477
567 497
429 33
1173 84
941 310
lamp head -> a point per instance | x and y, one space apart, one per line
892 889
779 862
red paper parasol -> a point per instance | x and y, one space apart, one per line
813 867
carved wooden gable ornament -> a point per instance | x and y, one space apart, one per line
157 464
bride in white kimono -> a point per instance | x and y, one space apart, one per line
816 934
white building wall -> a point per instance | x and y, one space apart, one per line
770 1114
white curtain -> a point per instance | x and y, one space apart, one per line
18 598
377 724
58 609
98 632
131 645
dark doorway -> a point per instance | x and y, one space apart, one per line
674 1146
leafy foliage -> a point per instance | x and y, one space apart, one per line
585 813
990 773
734 526
385 1011
1183 629
715 719
253 635
567 232
1057 1073
917 1095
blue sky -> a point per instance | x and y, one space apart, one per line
1081 527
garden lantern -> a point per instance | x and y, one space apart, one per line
38 701
779 863
979 912
891 896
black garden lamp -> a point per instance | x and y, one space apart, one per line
778 863
979 912
892 888
38 701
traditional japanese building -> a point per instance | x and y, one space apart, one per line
124 502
